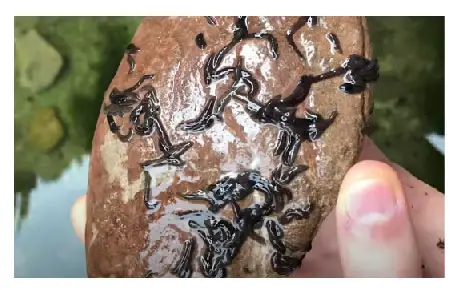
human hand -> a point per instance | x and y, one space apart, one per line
399 246
395 244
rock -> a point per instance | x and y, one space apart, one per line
166 220
45 129
38 62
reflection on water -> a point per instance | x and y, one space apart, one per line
46 245
63 65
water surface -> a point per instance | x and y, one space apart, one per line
46 245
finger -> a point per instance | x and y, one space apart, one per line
427 218
426 210
78 217
323 261
374 232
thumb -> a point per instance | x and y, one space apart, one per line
374 231
78 217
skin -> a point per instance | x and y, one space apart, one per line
373 238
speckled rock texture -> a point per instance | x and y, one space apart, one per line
126 239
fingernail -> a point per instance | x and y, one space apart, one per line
370 202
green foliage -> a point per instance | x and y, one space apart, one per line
409 96
24 181
48 140
45 130
38 62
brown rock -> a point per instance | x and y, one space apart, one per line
125 239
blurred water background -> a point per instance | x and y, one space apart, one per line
63 65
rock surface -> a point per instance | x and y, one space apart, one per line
126 239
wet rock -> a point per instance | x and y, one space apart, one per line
209 197
39 63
